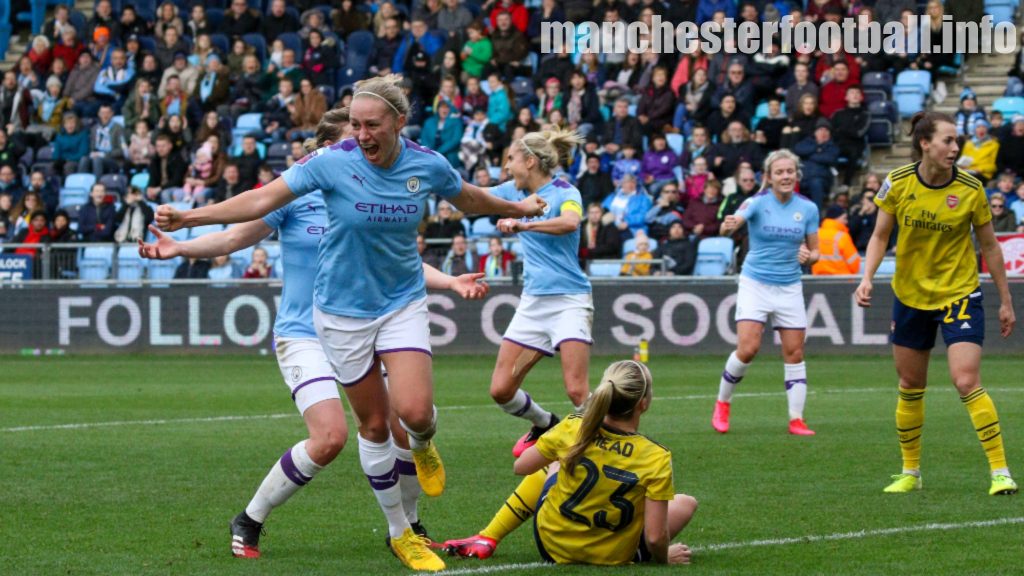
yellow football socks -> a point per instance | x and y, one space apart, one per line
986 422
518 507
909 421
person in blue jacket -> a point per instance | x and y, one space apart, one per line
629 205
442 133
71 144
418 38
819 153
707 8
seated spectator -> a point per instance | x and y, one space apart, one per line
549 99
70 146
838 253
768 132
510 48
114 81
214 87
678 251
230 184
658 164
6 226
103 18
628 207
265 175
736 85
696 97
96 217
1005 184
167 18
736 147
595 184
240 20
248 161
862 220
818 154
47 189
247 89
259 266
312 19
347 18
477 52
480 139
969 113
803 120
621 129
1003 220
35 233
320 60
142 105
719 120
701 217
851 125
21 215
699 176
445 224
236 58
308 107
458 261
666 210
56 26
641 251
175 128
166 169
69 48
386 46
1011 148
833 93
980 153
40 55
9 182
627 165
15 103
657 104
63 261
78 88
202 51
193 268
133 25
108 145
134 217
746 187
277 112
296 152
278 21
496 263
188 76
442 133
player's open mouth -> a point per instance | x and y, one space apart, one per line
370 150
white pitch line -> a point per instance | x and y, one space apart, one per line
87 425
809 539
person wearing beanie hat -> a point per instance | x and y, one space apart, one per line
969 112
838 253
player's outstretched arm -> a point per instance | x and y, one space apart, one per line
993 255
207 246
476 200
247 206
467 285
567 223
875 252
732 223
530 461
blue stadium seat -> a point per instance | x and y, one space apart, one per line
250 122
141 181
94 263
1009 105
1001 10
877 86
599 269
675 142
215 20
884 118
220 42
887 267
714 257
292 41
73 196
129 263
161 269
240 260
260 44
911 90
114 183
80 180
222 273
147 44
482 227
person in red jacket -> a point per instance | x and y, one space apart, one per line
497 260
701 216
520 17
833 94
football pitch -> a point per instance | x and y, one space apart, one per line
136 464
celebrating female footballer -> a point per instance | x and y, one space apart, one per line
936 286
305 368
783 236
369 292
609 498
557 309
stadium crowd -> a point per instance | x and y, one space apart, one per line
107 116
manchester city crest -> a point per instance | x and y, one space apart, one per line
296 373
798 217
413 184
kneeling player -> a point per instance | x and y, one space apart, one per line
608 498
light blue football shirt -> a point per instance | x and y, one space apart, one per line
776 232
551 263
300 225
367 265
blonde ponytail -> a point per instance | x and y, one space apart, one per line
623 385
551 148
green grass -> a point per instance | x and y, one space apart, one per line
157 498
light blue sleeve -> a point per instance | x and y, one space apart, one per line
812 218
306 175
450 184
748 210
506 191
277 217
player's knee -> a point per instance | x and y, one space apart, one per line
374 429
747 352
965 383
501 391
578 395
793 356
418 419
324 446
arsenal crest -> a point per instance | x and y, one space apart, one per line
952 201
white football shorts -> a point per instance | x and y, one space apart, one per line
784 305
353 344
306 371
542 323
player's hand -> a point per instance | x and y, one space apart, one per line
863 293
469 287
679 554
509 225
730 223
164 248
803 254
533 205
1007 319
168 218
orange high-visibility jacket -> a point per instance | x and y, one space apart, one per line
838 254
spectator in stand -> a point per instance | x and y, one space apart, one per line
10 183
63 261
736 147
247 88
679 253
496 263
862 220
27 75
1015 203
230 185
312 19
68 48
40 55
581 105
746 188
737 85
70 145
629 206
35 233
657 104
518 15
454 18
445 224
641 251
621 129
259 266
980 153
768 131
850 126
198 23
167 18
20 215
308 107
510 47
6 226
134 217
48 191
666 210
803 85
248 161
101 47
108 145
706 10
240 20
132 25
627 165
599 238
278 21
141 105
386 46
475 98
416 40
114 81
11 150
103 17
54 28
695 181
193 268
700 220
166 170
199 179
188 75
169 46
1011 148
719 120
803 121
818 153
320 60
140 148
442 133
96 217
347 18
480 140
833 92
277 112
595 184
213 89
50 108
560 66
202 50
1003 220
838 253
15 104
656 168
458 261
549 99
